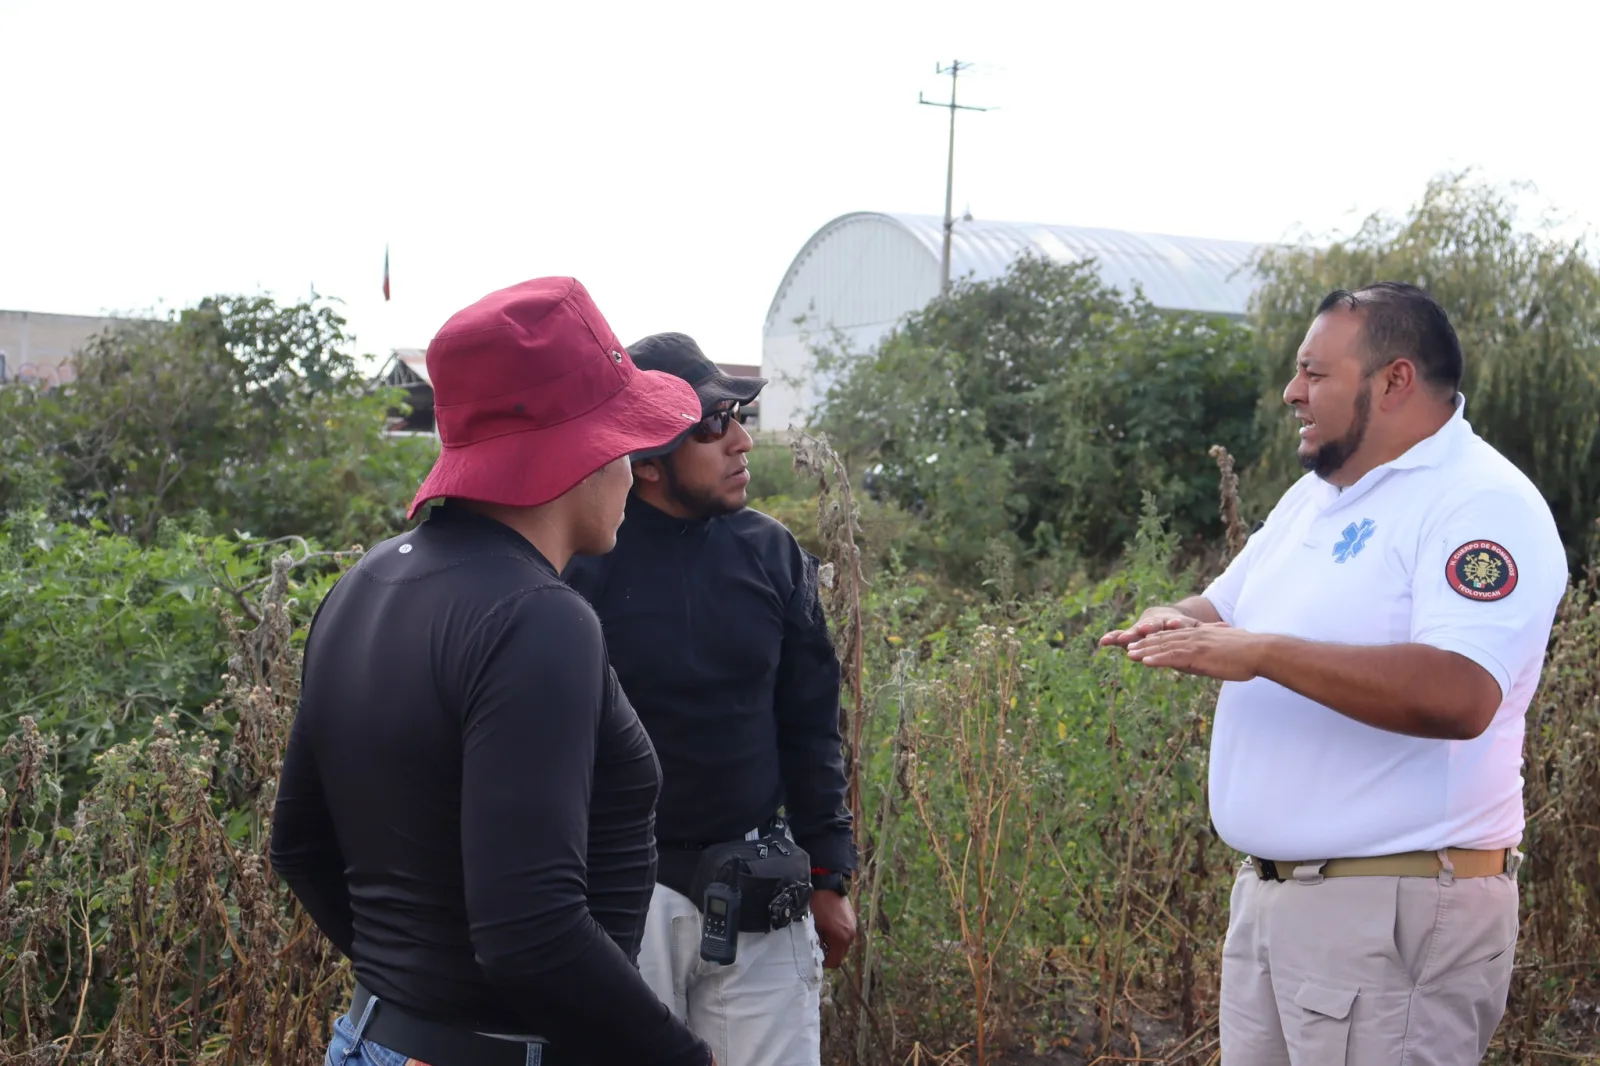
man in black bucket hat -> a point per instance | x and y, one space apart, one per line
715 628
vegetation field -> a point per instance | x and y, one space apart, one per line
1024 464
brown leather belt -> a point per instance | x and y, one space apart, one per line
1465 863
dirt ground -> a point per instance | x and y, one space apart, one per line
1159 1040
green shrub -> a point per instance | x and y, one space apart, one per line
253 413
1035 817
143 925
1037 855
100 635
1027 415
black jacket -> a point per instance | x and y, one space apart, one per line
716 631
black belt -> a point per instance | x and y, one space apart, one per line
436 1043
676 861
775 824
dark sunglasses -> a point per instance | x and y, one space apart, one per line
714 426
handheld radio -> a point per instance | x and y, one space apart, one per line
719 925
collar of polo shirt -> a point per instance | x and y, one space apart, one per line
1430 451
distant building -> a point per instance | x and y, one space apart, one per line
38 348
407 368
862 273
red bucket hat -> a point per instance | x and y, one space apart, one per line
533 393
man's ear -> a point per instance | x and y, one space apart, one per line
647 470
1399 377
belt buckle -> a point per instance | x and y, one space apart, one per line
1268 870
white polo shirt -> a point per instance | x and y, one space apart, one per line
1449 545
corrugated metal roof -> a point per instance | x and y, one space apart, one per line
862 273
1176 273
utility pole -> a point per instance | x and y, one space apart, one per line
954 70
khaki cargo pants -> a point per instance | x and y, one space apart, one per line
1366 971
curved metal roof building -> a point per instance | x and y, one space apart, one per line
863 272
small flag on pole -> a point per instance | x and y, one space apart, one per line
386 272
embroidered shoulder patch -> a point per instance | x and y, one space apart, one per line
1482 570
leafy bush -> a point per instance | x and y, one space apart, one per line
772 472
1035 825
100 635
1032 411
147 927
252 413
1038 860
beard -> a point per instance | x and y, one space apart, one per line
701 503
1330 457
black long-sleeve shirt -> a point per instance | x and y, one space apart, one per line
466 805
717 633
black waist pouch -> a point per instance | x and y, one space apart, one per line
772 874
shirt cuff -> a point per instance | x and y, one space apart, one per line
1223 606
1468 650
832 853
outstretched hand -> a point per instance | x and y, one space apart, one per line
1209 649
1155 620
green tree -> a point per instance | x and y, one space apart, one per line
252 412
1028 414
1525 304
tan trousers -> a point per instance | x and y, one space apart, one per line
1366 971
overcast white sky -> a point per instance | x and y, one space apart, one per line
675 157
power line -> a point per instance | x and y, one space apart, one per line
954 70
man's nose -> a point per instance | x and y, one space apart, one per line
741 439
1294 392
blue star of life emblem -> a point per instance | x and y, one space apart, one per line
1355 538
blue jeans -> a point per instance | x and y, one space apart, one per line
349 1048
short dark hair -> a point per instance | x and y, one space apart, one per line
1402 321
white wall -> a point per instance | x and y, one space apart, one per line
39 347
795 387
860 275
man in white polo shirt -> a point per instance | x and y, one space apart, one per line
1380 637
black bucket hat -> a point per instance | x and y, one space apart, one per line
678 354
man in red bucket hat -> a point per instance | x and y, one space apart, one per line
467 800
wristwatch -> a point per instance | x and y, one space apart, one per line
828 881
